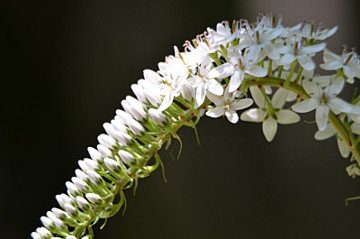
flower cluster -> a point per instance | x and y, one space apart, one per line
215 76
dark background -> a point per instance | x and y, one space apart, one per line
68 64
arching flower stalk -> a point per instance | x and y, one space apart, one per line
215 75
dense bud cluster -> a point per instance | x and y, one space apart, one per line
215 75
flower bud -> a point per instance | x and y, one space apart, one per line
94 154
187 90
112 165
63 199
74 191
44 233
109 129
118 125
126 157
94 177
71 210
94 198
123 116
62 215
48 223
81 175
107 141
123 138
152 97
139 92
83 204
83 165
91 164
158 117
137 108
135 127
80 184
105 152
58 223
35 235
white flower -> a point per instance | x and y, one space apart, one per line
320 33
269 115
227 104
349 62
295 50
323 100
244 65
206 81
260 38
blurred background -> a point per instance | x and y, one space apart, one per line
67 66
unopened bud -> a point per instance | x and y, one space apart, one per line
105 152
126 157
158 117
83 204
135 127
187 90
94 198
80 184
118 125
94 177
122 137
74 191
71 210
109 129
107 141
123 116
44 233
94 154
139 92
48 223
112 165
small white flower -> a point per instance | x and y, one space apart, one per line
349 62
227 104
244 65
295 50
270 116
323 100
308 31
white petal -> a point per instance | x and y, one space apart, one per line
200 95
152 77
218 100
241 104
287 59
305 105
257 96
331 65
348 72
269 128
221 71
167 101
232 116
325 134
312 49
343 148
287 117
252 115
256 71
335 87
337 104
215 112
235 80
355 128
321 117
312 89
279 98
214 87
306 62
